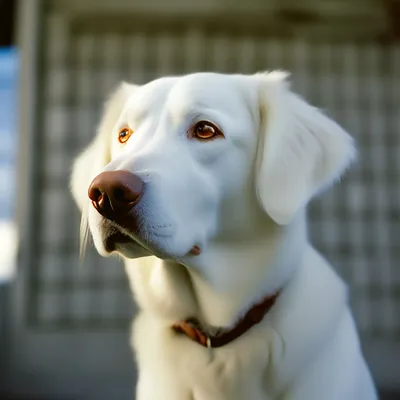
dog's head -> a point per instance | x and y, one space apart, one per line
182 163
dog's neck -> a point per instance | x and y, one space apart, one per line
219 293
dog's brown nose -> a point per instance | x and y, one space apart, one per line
115 193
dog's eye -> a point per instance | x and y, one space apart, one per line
124 134
205 130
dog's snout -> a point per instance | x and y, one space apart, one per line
115 193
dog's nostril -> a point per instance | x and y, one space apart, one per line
95 194
119 194
124 195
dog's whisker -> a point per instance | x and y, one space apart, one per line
84 236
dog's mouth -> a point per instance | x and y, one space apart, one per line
117 240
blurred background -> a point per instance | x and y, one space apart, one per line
64 327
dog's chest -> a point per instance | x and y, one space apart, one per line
228 377
173 367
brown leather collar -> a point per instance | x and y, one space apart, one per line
191 328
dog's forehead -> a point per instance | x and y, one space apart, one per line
191 92
150 95
206 89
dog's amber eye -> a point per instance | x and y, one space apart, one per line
124 134
205 130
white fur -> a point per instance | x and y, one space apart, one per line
242 200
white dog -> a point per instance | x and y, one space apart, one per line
211 174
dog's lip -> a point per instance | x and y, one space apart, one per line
116 237
121 235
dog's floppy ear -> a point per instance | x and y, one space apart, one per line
98 154
301 151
